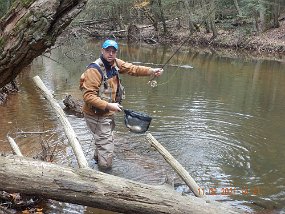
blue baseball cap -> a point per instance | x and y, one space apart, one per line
110 43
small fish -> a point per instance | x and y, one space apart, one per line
136 129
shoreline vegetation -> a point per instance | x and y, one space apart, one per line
231 28
229 43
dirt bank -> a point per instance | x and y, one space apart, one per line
232 42
271 41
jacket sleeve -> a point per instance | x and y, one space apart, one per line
90 84
133 70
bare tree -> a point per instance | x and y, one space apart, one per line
209 16
276 13
192 26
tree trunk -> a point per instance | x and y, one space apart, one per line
96 189
206 16
28 29
162 17
212 19
214 29
256 26
148 14
237 8
264 17
276 14
189 13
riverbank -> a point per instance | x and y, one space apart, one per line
269 42
232 42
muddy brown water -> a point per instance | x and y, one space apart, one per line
222 118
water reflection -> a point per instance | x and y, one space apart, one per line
221 118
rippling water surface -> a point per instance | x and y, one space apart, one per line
221 118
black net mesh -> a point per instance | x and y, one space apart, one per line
137 122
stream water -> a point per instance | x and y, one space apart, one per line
222 118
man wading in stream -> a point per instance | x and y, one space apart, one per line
102 95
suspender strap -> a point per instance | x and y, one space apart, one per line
96 66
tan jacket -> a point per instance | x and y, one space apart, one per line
91 80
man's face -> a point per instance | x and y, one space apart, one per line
109 54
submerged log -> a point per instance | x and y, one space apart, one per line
97 189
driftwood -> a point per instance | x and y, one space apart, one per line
96 189
176 166
73 106
29 28
72 138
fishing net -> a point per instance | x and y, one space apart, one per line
137 122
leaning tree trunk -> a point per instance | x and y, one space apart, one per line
28 29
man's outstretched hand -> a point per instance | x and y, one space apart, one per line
157 71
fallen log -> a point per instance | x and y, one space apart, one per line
97 189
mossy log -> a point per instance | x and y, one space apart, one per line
29 29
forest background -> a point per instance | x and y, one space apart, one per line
254 25
257 26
